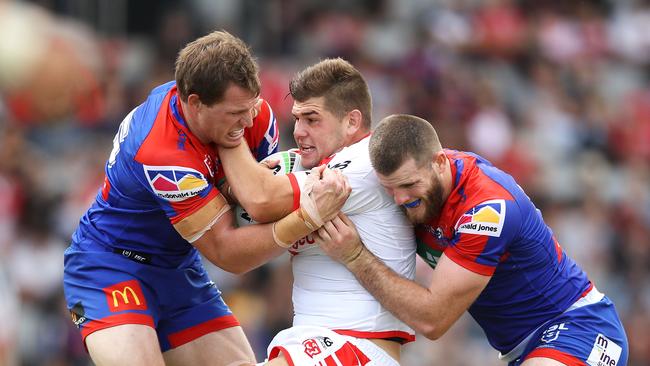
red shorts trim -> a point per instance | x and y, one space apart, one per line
189 334
586 292
275 353
115 320
556 355
403 337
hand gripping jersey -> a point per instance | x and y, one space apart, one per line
159 192
489 226
325 293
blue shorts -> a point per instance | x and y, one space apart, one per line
589 335
104 289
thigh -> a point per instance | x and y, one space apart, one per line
226 347
192 308
592 334
128 344
101 292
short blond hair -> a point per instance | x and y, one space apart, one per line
208 65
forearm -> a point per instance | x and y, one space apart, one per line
265 197
247 248
240 250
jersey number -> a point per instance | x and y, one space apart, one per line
342 165
119 138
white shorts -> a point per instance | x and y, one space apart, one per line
318 346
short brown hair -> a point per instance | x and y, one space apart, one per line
342 86
399 137
208 65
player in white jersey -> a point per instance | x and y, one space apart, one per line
327 294
335 317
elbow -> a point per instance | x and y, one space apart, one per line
233 268
431 330
431 335
261 210
229 266
236 270
263 215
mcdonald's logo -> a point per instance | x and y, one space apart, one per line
125 295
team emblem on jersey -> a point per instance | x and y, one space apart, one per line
553 332
175 183
315 346
311 347
484 219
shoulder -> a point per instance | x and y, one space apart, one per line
144 117
353 159
484 197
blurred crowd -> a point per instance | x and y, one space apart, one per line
557 93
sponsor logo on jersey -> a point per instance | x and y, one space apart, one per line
125 295
428 254
604 352
78 314
175 183
303 244
484 219
209 163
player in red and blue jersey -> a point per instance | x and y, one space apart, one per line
133 278
492 252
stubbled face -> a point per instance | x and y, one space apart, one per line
318 133
223 123
418 191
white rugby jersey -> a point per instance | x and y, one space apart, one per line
325 293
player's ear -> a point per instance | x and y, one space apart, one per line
439 161
193 101
355 120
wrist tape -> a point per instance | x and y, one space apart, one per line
307 202
292 227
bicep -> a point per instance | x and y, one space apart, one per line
195 225
458 285
208 242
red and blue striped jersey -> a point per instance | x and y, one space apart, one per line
159 191
489 226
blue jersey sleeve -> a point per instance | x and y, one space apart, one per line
483 234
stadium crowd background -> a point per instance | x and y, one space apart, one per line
557 93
